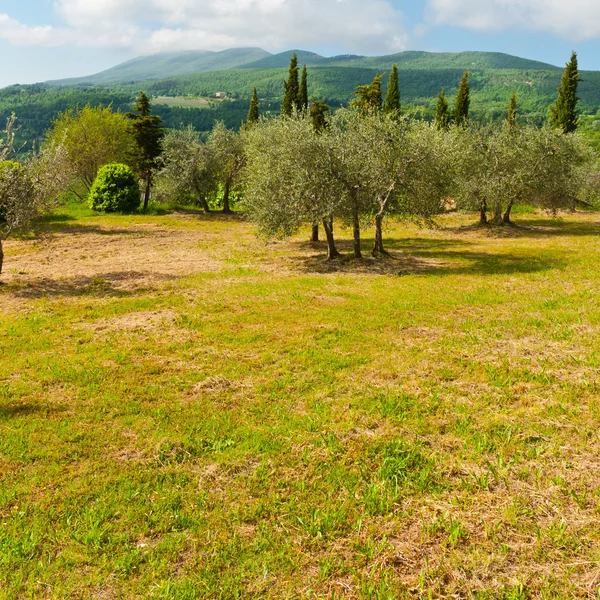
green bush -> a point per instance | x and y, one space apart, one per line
115 189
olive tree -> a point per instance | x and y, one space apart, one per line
187 168
27 188
499 168
289 179
387 166
228 154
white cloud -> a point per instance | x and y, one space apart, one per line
574 19
159 25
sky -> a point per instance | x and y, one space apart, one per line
54 39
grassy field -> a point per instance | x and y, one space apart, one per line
186 412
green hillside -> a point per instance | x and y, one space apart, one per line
494 77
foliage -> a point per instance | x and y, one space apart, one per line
227 149
147 132
392 97
463 102
303 91
187 169
563 114
28 188
368 98
92 137
318 114
291 89
442 112
115 189
253 111
511 119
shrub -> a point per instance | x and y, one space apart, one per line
115 189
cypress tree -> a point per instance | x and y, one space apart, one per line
318 115
303 93
253 114
147 132
392 97
369 97
463 100
511 120
563 114
442 113
291 88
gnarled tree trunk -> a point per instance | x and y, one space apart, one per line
355 225
331 249
506 216
483 213
315 233
378 248
1 256
226 208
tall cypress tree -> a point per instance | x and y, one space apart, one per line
511 120
291 88
253 114
463 100
392 97
563 114
147 132
303 92
442 112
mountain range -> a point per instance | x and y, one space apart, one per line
173 64
184 86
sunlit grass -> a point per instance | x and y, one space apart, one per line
275 426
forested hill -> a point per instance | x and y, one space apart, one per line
190 97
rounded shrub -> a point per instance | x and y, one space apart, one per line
115 189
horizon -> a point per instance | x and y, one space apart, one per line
62 39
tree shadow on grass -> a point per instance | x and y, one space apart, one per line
534 228
120 284
13 411
414 256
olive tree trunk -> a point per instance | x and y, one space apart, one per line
378 248
331 249
483 213
226 208
506 216
355 223
1 256
315 233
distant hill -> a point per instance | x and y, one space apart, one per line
171 64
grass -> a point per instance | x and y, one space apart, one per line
186 412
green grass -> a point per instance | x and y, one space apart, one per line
228 419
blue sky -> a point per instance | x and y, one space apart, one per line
50 39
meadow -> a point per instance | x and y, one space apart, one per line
188 412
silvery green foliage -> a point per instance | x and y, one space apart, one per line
498 168
187 167
28 188
288 176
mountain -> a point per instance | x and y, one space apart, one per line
171 64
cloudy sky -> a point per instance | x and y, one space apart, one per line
49 39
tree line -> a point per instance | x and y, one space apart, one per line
355 166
